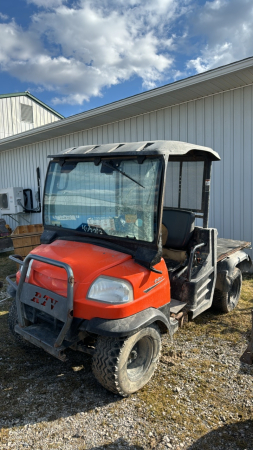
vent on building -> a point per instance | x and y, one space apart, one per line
26 113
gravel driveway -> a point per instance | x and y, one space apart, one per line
199 398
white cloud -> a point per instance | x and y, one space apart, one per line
216 4
3 16
226 26
17 45
214 57
79 50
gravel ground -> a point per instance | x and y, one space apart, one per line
199 398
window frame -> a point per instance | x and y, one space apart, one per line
61 231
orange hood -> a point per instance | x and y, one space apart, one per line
86 260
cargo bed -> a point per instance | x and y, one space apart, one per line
226 247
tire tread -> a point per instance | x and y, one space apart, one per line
106 361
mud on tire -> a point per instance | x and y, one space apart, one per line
124 365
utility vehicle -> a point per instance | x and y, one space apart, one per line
122 259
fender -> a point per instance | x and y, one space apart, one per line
127 326
225 269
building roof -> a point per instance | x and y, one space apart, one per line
27 94
222 79
170 148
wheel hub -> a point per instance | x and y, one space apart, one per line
133 355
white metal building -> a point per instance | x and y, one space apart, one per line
22 112
214 109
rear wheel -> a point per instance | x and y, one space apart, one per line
227 301
13 320
125 365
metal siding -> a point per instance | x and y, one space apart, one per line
183 123
146 127
121 132
153 126
191 132
10 117
127 128
247 162
110 133
222 121
89 137
237 169
134 136
160 124
115 132
167 123
227 182
95 136
175 124
100 135
104 136
140 128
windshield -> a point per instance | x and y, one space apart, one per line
113 197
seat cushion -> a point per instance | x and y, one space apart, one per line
180 226
176 255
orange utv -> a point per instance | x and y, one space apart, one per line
126 254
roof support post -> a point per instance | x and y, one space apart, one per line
207 182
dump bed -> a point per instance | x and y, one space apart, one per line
226 247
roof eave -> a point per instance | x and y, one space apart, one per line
207 83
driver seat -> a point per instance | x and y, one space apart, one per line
177 230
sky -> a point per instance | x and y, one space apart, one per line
78 55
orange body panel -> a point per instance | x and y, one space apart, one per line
89 261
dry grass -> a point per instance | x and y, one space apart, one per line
205 383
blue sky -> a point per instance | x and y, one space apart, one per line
77 55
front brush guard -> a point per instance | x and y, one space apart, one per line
49 302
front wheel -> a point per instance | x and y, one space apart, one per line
227 301
125 365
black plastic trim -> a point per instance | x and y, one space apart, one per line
127 326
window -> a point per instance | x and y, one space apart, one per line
26 113
117 198
184 185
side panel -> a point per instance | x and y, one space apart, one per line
197 288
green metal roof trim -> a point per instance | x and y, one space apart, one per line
27 94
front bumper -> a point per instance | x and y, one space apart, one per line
60 330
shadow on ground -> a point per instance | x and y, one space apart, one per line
34 386
234 436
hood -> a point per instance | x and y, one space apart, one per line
86 260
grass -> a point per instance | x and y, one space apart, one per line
204 382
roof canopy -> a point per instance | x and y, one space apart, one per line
170 148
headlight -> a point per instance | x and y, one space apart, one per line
111 290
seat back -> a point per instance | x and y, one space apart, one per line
180 227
